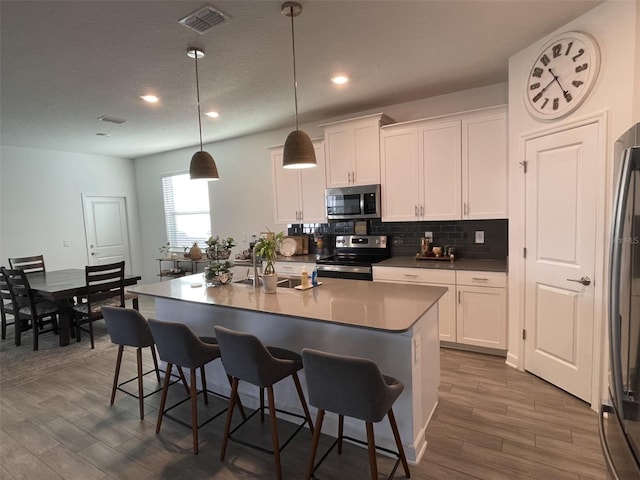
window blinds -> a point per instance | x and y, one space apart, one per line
186 210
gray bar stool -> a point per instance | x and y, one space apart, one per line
129 328
352 387
179 346
245 358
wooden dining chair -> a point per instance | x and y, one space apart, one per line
6 307
38 314
34 264
105 287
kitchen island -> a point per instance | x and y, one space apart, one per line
394 325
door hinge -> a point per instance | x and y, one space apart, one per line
524 166
524 252
524 334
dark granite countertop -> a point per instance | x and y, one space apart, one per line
459 264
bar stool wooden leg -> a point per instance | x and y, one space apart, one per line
314 444
227 426
274 432
116 375
194 410
371 444
184 380
140 388
396 435
303 402
155 362
262 404
203 377
340 432
163 401
239 402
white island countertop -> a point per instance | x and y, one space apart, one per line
371 305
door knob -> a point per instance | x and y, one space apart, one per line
583 280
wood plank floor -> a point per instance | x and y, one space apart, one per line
492 423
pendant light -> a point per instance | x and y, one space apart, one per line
202 164
298 149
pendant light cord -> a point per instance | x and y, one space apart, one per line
295 80
198 98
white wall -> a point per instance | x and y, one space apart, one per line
614 26
41 203
242 200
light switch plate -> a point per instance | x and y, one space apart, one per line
429 235
479 236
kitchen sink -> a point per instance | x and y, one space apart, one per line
283 282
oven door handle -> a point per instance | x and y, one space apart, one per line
344 268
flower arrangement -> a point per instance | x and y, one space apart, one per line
219 249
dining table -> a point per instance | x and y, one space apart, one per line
61 286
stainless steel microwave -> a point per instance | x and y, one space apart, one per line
353 203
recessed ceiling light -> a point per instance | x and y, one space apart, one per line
212 114
150 98
340 79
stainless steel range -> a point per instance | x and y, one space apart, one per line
354 257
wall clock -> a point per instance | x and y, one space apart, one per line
562 75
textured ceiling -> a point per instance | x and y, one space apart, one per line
66 63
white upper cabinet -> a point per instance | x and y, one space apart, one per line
353 151
440 153
400 174
484 166
450 168
299 193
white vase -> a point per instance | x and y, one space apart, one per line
270 283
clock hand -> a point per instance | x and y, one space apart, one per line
555 79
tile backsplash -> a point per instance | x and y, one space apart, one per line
405 236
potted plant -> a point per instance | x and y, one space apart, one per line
218 273
219 249
266 248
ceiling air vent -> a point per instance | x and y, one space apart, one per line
109 119
204 19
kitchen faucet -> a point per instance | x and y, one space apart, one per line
256 278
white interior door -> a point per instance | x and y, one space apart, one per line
561 243
107 231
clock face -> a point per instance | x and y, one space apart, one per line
562 75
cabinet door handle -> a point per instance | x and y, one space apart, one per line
353 177
466 209
422 210
409 275
415 208
478 279
459 292
301 215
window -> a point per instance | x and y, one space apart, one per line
186 210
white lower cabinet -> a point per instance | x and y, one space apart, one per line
293 269
433 278
474 309
481 309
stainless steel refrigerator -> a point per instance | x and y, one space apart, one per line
620 416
